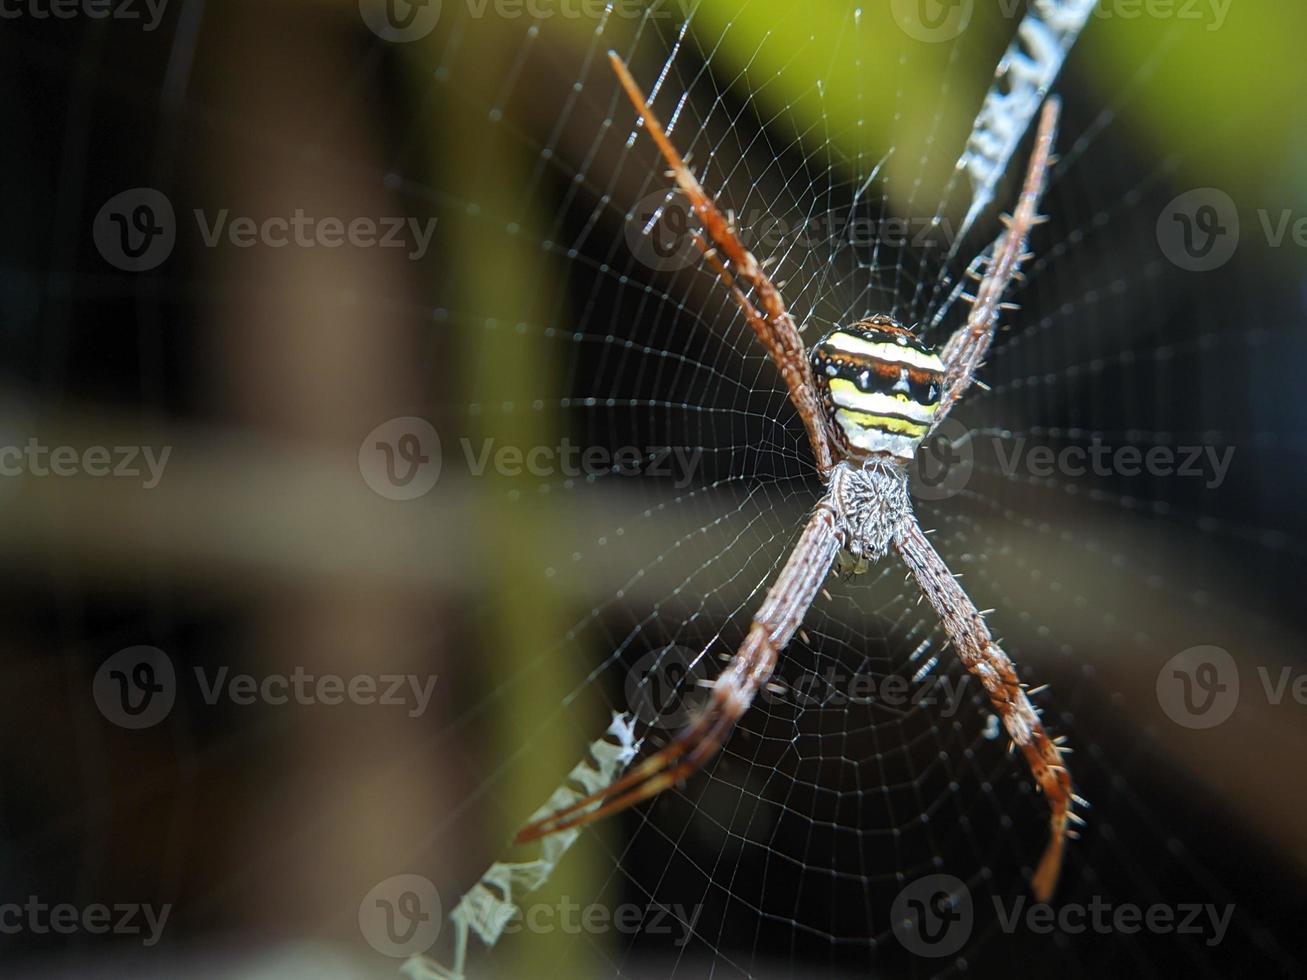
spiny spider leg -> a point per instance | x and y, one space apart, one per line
773 324
732 693
866 508
756 319
986 660
966 349
657 773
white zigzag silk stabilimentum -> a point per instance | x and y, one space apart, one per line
489 905
1023 78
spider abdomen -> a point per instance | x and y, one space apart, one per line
880 385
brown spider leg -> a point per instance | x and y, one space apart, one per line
660 771
965 350
756 319
773 325
986 660
732 693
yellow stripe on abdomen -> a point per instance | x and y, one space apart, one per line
885 423
846 394
847 342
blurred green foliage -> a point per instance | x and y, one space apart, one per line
1216 83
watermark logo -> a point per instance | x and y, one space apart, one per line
96 919
400 21
302 230
1214 12
1199 230
409 691
400 917
1101 917
572 461
573 919
670 688
149 11
660 232
933 21
832 688
1199 687
1285 225
1208 463
136 687
944 462
1285 683
136 230
933 916
937 21
664 689
400 459
35 459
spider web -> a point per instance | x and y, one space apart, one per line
567 305
794 843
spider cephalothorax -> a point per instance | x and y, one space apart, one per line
880 387
871 499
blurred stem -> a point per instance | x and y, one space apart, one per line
507 281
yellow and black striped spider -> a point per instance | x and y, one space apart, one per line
868 395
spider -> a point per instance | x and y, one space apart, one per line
869 395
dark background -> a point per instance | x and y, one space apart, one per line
262 549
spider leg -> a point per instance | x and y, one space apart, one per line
732 693
695 746
986 660
772 324
966 349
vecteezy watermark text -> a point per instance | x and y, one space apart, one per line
668 688
402 21
96 919
833 688
572 461
938 21
137 229
661 232
149 11
1205 920
137 687
933 916
303 688
947 459
573 919
1099 459
307 231
401 459
120 462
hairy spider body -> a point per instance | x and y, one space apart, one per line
867 395
871 501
